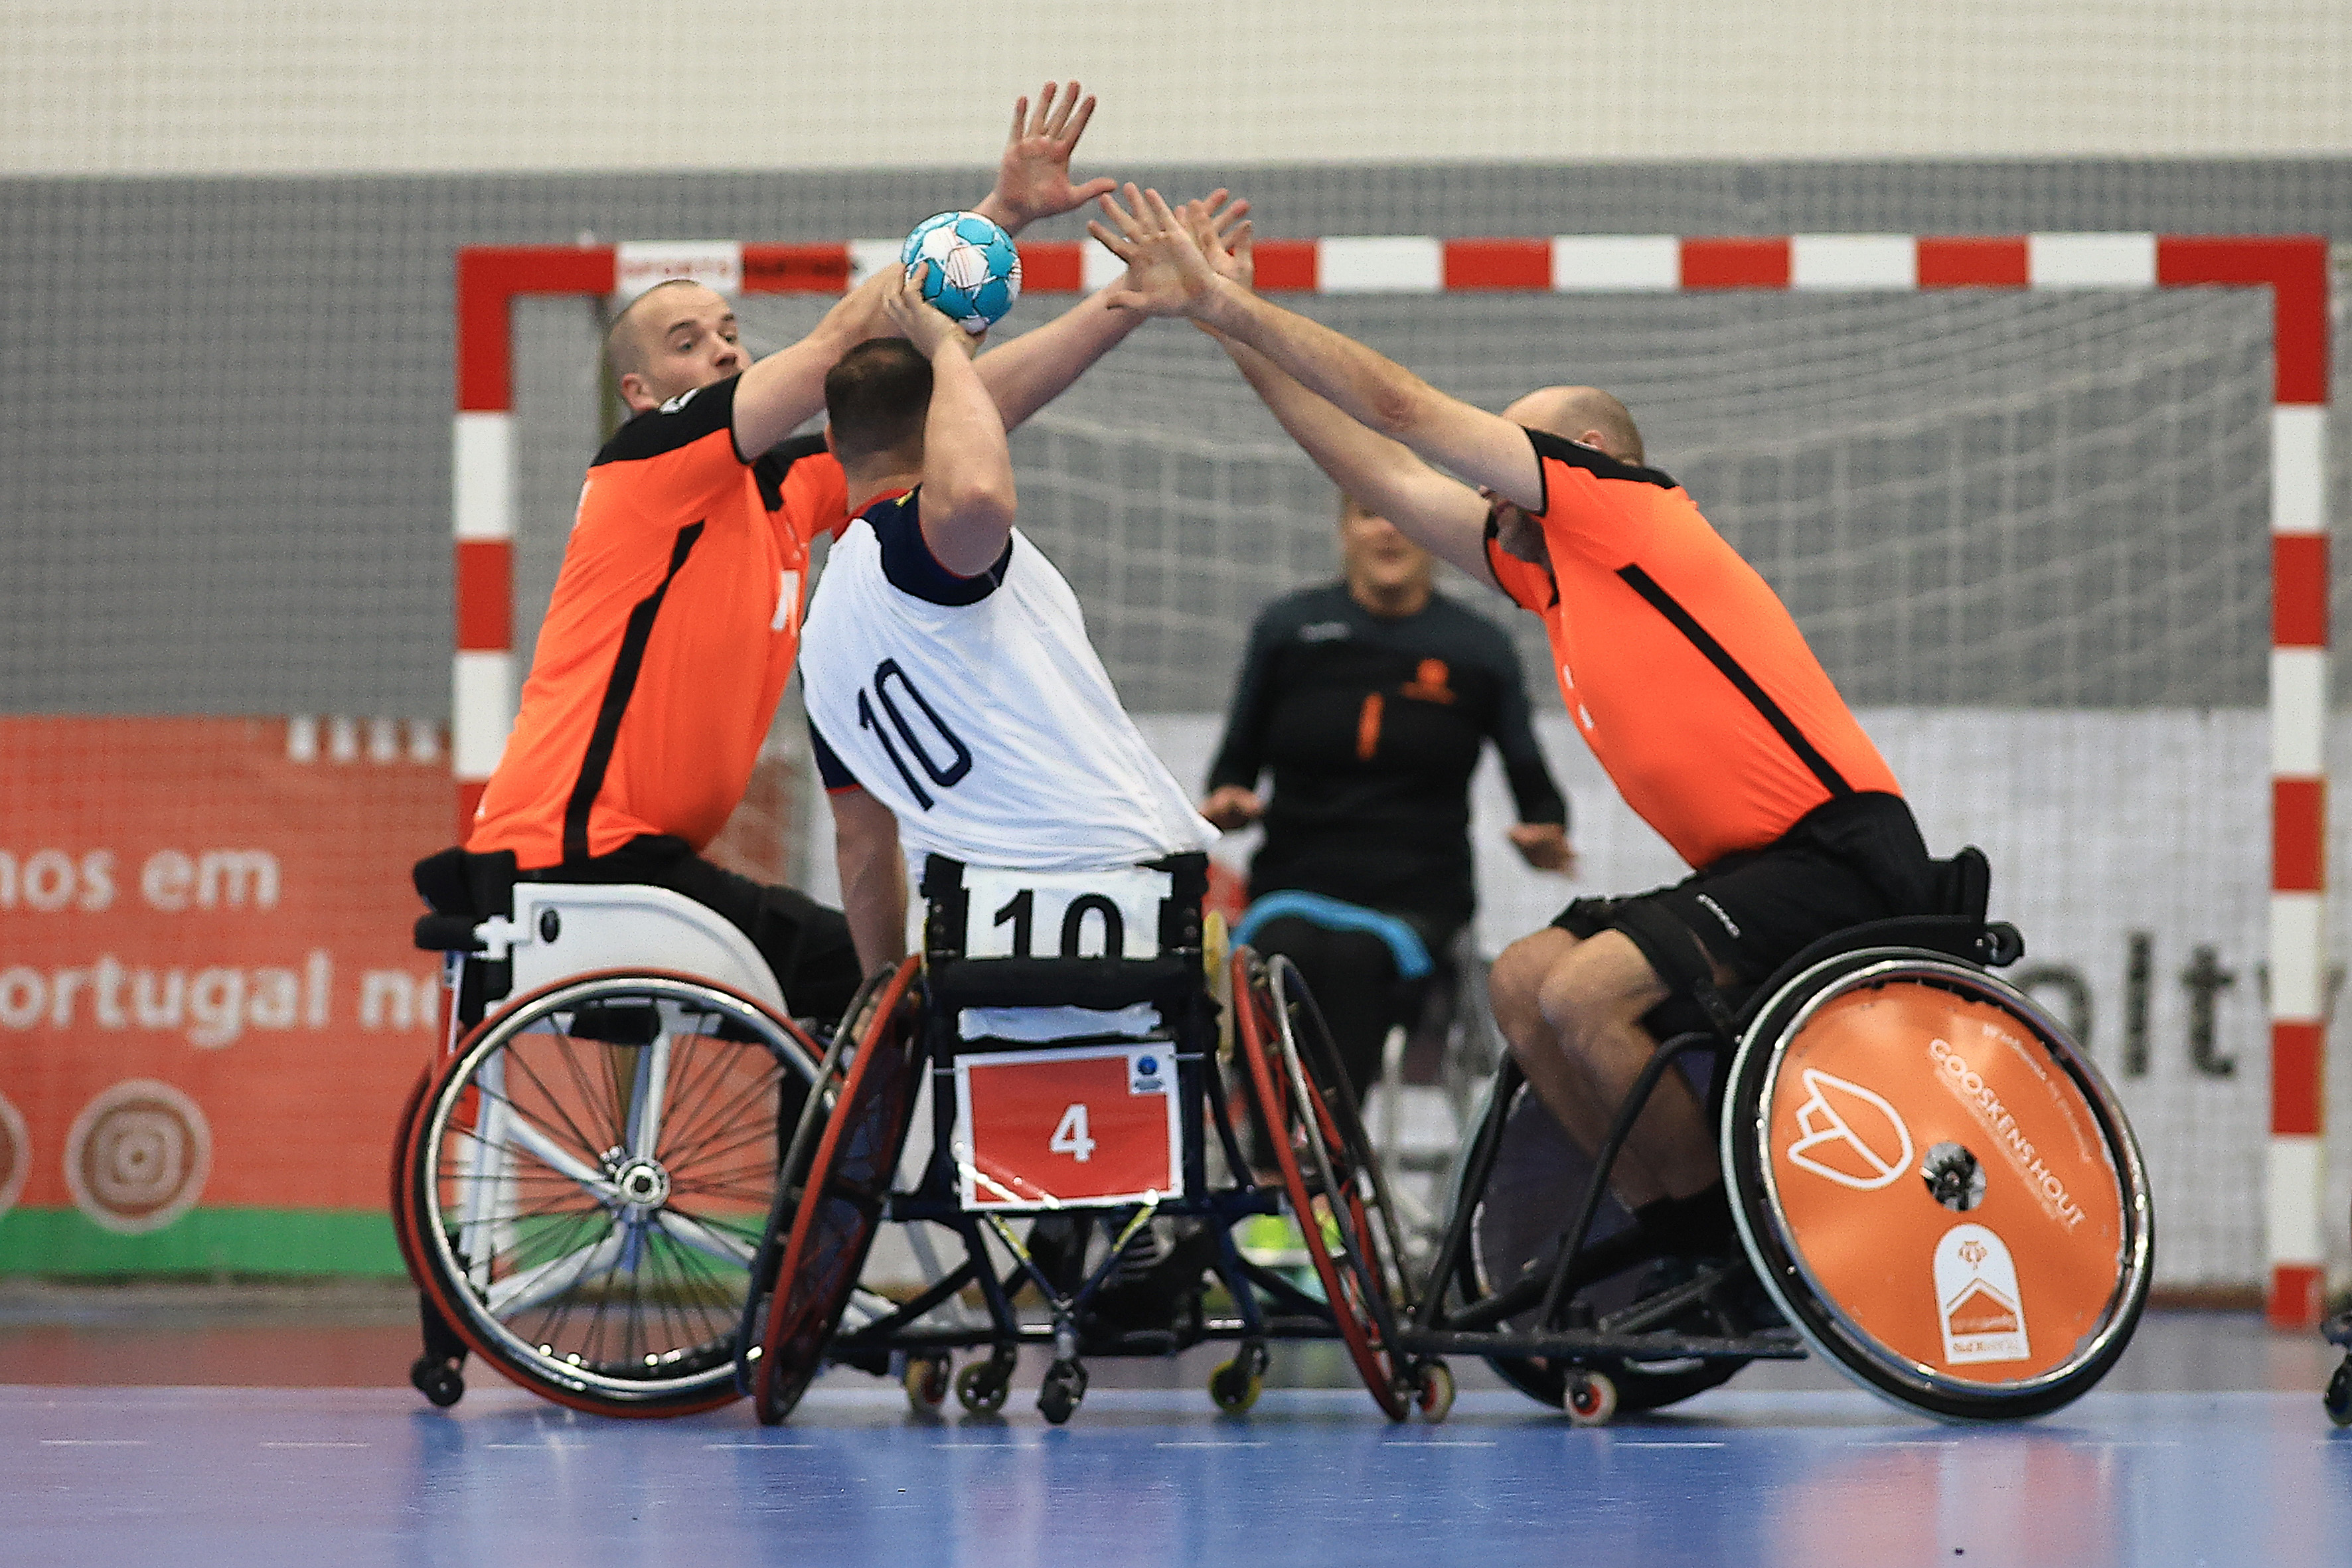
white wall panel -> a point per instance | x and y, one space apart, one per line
244 87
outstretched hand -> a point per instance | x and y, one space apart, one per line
1033 181
922 324
1223 233
1167 273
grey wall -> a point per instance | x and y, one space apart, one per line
224 462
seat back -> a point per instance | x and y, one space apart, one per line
565 928
1012 939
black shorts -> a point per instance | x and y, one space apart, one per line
1855 860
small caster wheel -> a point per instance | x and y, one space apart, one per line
1235 1387
1433 1391
982 1386
2338 1397
1591 1399
1058 1395
925 1382
437 1379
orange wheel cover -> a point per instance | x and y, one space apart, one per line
1945 1183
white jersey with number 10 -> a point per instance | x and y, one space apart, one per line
976 710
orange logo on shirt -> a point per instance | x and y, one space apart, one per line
1429 682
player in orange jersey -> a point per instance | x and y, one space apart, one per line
676 618
1680 666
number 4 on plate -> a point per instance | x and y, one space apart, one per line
1070 1135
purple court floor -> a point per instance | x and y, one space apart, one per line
2207 1446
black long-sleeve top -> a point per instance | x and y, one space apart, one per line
1372 728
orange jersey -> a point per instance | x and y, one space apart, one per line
673 624
1681 667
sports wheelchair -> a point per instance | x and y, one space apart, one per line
581 1174
1073 1122
1930 1185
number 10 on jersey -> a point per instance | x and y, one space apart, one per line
1084 1127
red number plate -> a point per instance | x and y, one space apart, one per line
1085 1126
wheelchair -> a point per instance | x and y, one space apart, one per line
581 1172
1442 1000
1076 1122
1930 1187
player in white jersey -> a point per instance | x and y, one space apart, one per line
955 704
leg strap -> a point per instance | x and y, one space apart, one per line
1680 959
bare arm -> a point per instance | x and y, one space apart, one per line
1034 369
1038 366
1369 387
873 877
1441 515
783 390
968 490
780 393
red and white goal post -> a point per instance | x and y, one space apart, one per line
2292 268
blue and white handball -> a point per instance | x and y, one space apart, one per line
975 272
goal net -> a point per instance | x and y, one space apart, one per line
2028 531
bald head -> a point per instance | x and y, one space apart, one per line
625 343
676 336
1580 413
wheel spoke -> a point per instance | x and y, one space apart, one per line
689 1232
649 1095
534 1287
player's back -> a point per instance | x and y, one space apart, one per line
976 709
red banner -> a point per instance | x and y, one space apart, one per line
207 992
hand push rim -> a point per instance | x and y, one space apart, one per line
835 1222
1354 1286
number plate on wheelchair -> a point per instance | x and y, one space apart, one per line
1077 1127
1063 914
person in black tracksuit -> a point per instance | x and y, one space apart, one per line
1369 700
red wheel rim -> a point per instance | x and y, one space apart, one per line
832 1231
1342 1290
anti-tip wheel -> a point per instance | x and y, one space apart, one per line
1591 1399
1234 1387
2338 1397
981 1388
1433 1391
441 1383
925 1382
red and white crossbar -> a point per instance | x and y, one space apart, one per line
2293 268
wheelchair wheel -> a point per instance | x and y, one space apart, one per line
1532 1191
872 1074
1937 1188
1327 1168
587 1183
404 1146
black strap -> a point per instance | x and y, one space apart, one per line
625 665
1666 604
1680 959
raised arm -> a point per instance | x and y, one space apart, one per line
779 394
1442 516
968 492
1038 366
1485 449
1033 180
783 390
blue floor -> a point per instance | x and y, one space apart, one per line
1811 1477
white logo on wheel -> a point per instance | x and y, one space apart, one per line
1977 1297
1846 1133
